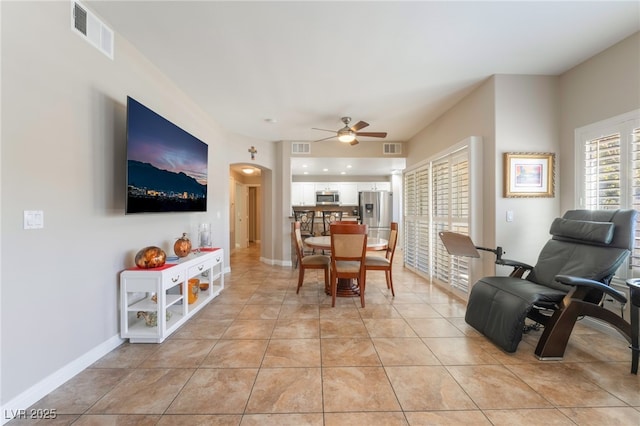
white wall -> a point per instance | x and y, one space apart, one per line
527 117
63 152
472 116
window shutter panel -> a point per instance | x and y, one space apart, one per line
437 198
635 191
602 173
610 173
409 226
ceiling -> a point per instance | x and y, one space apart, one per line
273 70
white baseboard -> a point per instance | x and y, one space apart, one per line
56 379
276 262
602 326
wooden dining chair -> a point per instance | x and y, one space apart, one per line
379 263
348 251
313 261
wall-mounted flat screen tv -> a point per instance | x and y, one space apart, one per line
166 166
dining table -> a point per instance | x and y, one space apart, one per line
346 287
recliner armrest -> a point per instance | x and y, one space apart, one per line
519 268
514 263
584 282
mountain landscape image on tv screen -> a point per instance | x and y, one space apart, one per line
166 166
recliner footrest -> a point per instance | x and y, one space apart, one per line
498 307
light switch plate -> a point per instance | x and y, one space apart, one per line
33 219
509 215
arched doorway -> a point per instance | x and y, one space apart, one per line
246 213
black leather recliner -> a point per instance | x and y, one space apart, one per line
572 275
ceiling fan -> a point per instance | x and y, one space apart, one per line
348 134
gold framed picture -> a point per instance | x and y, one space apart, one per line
529 174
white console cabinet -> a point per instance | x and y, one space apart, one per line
159 293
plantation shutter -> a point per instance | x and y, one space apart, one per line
602 173
422 224
460 206
635 191
441 187
611 172
437 198
410 219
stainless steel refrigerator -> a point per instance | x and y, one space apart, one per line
375 210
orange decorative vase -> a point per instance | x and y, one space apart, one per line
150 257
193 287
182 246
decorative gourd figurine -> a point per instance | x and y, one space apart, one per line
182 246
151 318
150 257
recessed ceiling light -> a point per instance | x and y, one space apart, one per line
325 170
305 173
343 173
248 171
304 166
348 166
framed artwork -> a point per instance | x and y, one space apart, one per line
529 174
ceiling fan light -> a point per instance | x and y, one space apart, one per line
346 136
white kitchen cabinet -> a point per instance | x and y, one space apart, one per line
157 293
374 186
308 194
348 194
303 194
327 186
296 193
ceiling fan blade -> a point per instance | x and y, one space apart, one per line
324 139
354 142
373 134
359 125
324 130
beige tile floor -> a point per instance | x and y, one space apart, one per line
260 354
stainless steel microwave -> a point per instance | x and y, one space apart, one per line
327 198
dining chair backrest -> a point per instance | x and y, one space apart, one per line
298 239
306 219
349 227
391 245
348 253
393 241
348 241
329 218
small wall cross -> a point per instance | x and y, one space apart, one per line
253 151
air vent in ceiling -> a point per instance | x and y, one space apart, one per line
392 148
88 26
301 148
